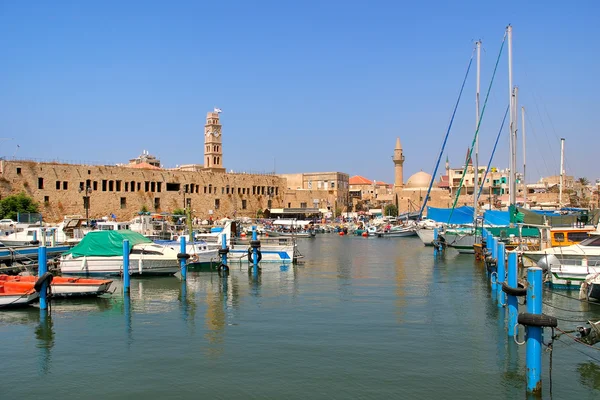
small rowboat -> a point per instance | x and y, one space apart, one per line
67 286
16 294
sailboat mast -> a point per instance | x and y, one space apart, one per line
562 171
476 164
524 161
513 165
511 118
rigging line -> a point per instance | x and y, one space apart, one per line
492 156
544 128
569 297
532 129
487 95
564 309
447 134
570 345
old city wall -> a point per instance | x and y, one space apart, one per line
123 191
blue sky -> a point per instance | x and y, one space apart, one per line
304 86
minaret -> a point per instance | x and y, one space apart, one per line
213 149
398 166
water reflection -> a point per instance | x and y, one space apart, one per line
589 373
44 334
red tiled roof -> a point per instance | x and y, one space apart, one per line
359 180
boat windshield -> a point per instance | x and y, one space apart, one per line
593 241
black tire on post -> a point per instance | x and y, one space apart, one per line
47 277
519 291
539 320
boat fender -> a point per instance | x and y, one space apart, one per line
183 256
519 291
540 320
47 277
251 259
255 244
35 242
224 251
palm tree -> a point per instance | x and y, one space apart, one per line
583 181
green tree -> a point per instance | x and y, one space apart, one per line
178 213
583 181
19 203
391 210
144 209
259 213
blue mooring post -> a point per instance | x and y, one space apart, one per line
512 301
224 246
42 269
501 273
254 250
435 238
183 261
494 250
126 267
534 333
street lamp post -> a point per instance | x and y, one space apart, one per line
86 202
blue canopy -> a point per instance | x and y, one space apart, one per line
496 217
460 216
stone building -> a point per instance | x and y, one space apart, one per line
124 190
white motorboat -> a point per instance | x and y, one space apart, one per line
101 253
399 231
200 252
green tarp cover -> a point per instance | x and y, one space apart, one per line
505 232
106 243
532 218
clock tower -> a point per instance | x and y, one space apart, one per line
213 149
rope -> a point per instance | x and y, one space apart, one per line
493 152
477 130
572 298
578 341
562 309
447 134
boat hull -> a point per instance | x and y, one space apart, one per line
463 242
18 300
113 266
404 233
426 236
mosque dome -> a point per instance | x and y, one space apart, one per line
419 180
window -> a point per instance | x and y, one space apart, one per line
158 186
46 200
18 171
57 185
89 172
65 185
332 184
146 186
118 186
153 187
157 203
577 236
289 205
204 189
111 186
139 186
40 183
276 191
319 184
104 184
124 201
269 204
302 205
217 204
95 185
244 204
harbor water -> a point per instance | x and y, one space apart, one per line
361 318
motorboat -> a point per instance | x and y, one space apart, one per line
17 294
101 253
404 230
201 254
67 286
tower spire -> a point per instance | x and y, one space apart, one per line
398 166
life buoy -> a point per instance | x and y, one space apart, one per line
47 277
194 258
251 258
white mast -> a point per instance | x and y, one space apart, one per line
476 164
562 171
511 119
513 164
524 161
